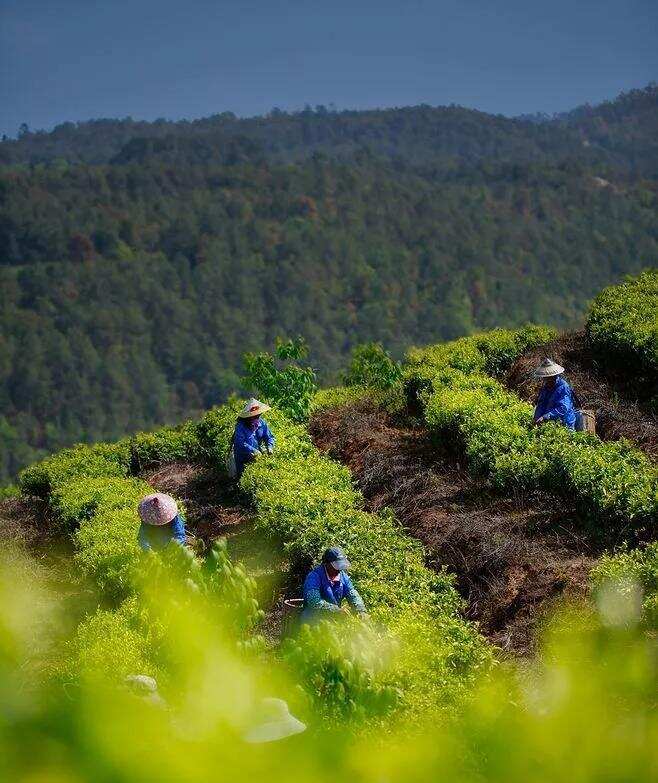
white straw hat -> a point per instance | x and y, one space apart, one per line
253 408
273 722
157 509
548 369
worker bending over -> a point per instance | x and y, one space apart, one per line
161 522
327 585
556 397
252 436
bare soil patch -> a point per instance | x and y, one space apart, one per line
213 508
620 412
512 557
27 522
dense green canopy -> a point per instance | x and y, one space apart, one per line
139 261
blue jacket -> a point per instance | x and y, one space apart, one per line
557 404
159 536
247 442
321 595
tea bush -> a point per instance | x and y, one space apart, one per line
611 482
107 549
348 666
10 491
629 568
623 325
103 459
372 366
491 352
110 645
168 444
337 396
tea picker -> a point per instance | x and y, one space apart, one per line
556 397
161 522
252 437
327 585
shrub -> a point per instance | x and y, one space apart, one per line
346 667
10 491
107 549
338 396
491 353
110 645
372 366
623 325
632 567
77 501
291 388
102 459
168 444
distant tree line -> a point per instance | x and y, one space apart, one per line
131 287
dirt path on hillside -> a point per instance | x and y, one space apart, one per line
215 509
512 557
619 414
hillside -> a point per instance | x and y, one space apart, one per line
466 528
139 261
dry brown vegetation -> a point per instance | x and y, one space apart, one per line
512 556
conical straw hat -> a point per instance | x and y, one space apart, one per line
253 408
273 722
548 368
157 509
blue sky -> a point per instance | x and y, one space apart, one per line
79 59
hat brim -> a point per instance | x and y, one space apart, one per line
276 730
167 512
342 564
549 372
250 414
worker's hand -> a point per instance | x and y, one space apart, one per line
344 609
270 451
539 421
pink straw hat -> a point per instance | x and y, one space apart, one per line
157 509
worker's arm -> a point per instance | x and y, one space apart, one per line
352 595
178 530
313 597
266 437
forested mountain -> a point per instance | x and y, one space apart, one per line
139 261
622 133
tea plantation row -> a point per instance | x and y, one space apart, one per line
614 485
416 655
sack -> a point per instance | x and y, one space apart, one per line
585 421
231 464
